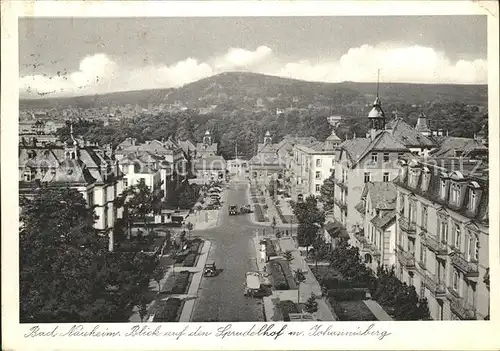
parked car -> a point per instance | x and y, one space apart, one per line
233 210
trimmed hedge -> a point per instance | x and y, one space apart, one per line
280 214
258 213
190 260
279 279
169 311
196 244
270 250
353 294
181 283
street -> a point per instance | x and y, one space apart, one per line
220 298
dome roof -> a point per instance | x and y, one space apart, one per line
376 111
268 134
333 137
207 132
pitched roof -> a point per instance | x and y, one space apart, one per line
382 195
465 146
407 135
386 218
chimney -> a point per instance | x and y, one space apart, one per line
373 133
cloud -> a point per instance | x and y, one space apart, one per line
100 73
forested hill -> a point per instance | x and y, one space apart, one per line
241 89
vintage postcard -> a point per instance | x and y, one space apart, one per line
250 175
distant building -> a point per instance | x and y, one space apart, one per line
237 166
442 236
210 168
460 147
412 138
207 147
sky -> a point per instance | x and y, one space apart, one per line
80 56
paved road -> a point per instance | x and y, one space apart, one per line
221 298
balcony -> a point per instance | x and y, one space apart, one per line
460 307
407 259
406 226
434 245
340 183
340 203
470 269
436 287
372 248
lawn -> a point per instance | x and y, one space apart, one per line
352 310
169 311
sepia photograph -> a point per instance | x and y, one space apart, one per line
274 169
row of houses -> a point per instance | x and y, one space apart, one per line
406 198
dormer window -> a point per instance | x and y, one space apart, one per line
31 154
426 175
455 193
443 186
473 196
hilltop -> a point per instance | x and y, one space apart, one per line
242 89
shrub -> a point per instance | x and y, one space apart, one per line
280 214
270 250
258 213
168 312
288 307
279 279
195 245
189 260
354 294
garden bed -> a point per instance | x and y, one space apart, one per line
190 260
259 216
270 250
352 310
279 278
180 285
288 307
196 245
288 274
169 311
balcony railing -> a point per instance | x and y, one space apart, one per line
435 286
339 203
460 307
407 227
434 245
470 269
407 259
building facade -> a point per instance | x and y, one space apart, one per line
86 169
442 237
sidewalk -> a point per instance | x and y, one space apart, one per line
310 285
271 212
208 219
377 310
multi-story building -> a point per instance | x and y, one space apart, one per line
311 164
267 163
363 160
210 168
442 235
87 169
377 239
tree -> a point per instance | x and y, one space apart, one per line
310 219
66 271
140 202
143 309
189 227
311 306
327 191
158 275
299 279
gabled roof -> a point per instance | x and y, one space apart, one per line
407 135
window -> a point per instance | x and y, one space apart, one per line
374 157
413 211
318 163
333 162
456 236
423 253
472 249
473 200
386 157
456 281
386 177
125 182
443 189
424 216
318 187
410 280
401 203
443 231
367 177
455 193
422 290
318 175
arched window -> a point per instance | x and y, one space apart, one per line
472 248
